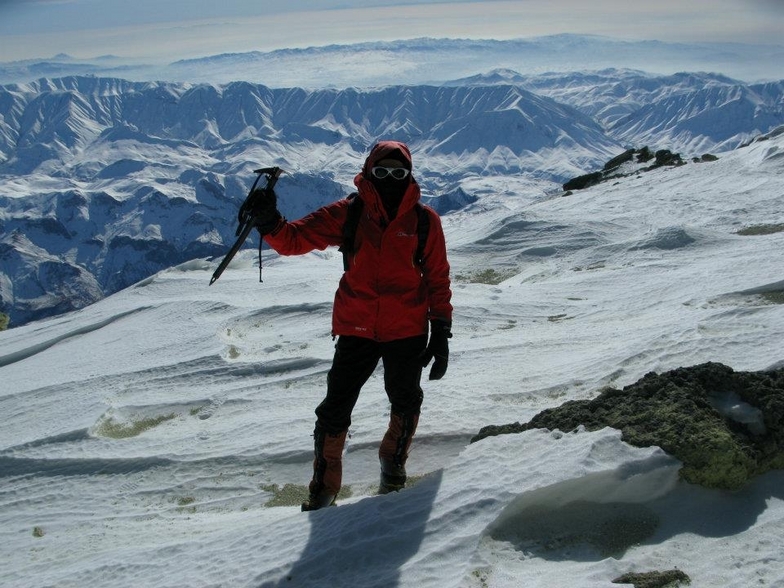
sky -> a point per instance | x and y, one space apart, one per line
166 30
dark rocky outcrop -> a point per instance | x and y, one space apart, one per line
620 159
667 157
636 158
585 181
724 426
644 155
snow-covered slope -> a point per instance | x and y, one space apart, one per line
148 437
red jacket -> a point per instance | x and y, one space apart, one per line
384 295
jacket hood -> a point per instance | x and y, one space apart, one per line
385 149
368 192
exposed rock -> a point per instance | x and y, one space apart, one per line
667 157
620 159
615 167
724 426
644 155
763 229
654 579
582 182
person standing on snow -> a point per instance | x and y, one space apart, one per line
382 309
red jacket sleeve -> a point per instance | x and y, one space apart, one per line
318 230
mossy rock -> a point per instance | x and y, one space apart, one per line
665 579
122 430
688 412
295 494
765 229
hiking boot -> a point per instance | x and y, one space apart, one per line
317 501
393 451
393 477
327 468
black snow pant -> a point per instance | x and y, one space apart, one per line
355 360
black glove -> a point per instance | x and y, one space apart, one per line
438 348
262 210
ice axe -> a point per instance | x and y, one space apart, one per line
246 218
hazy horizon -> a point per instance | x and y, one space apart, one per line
159 32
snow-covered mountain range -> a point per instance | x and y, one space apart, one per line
689 111
105 181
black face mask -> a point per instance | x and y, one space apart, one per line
391 192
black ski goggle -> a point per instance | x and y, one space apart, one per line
398 173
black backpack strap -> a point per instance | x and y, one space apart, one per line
350 227
423 228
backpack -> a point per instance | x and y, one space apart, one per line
352 221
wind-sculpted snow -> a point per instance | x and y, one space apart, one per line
537 238
666 238
26 353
